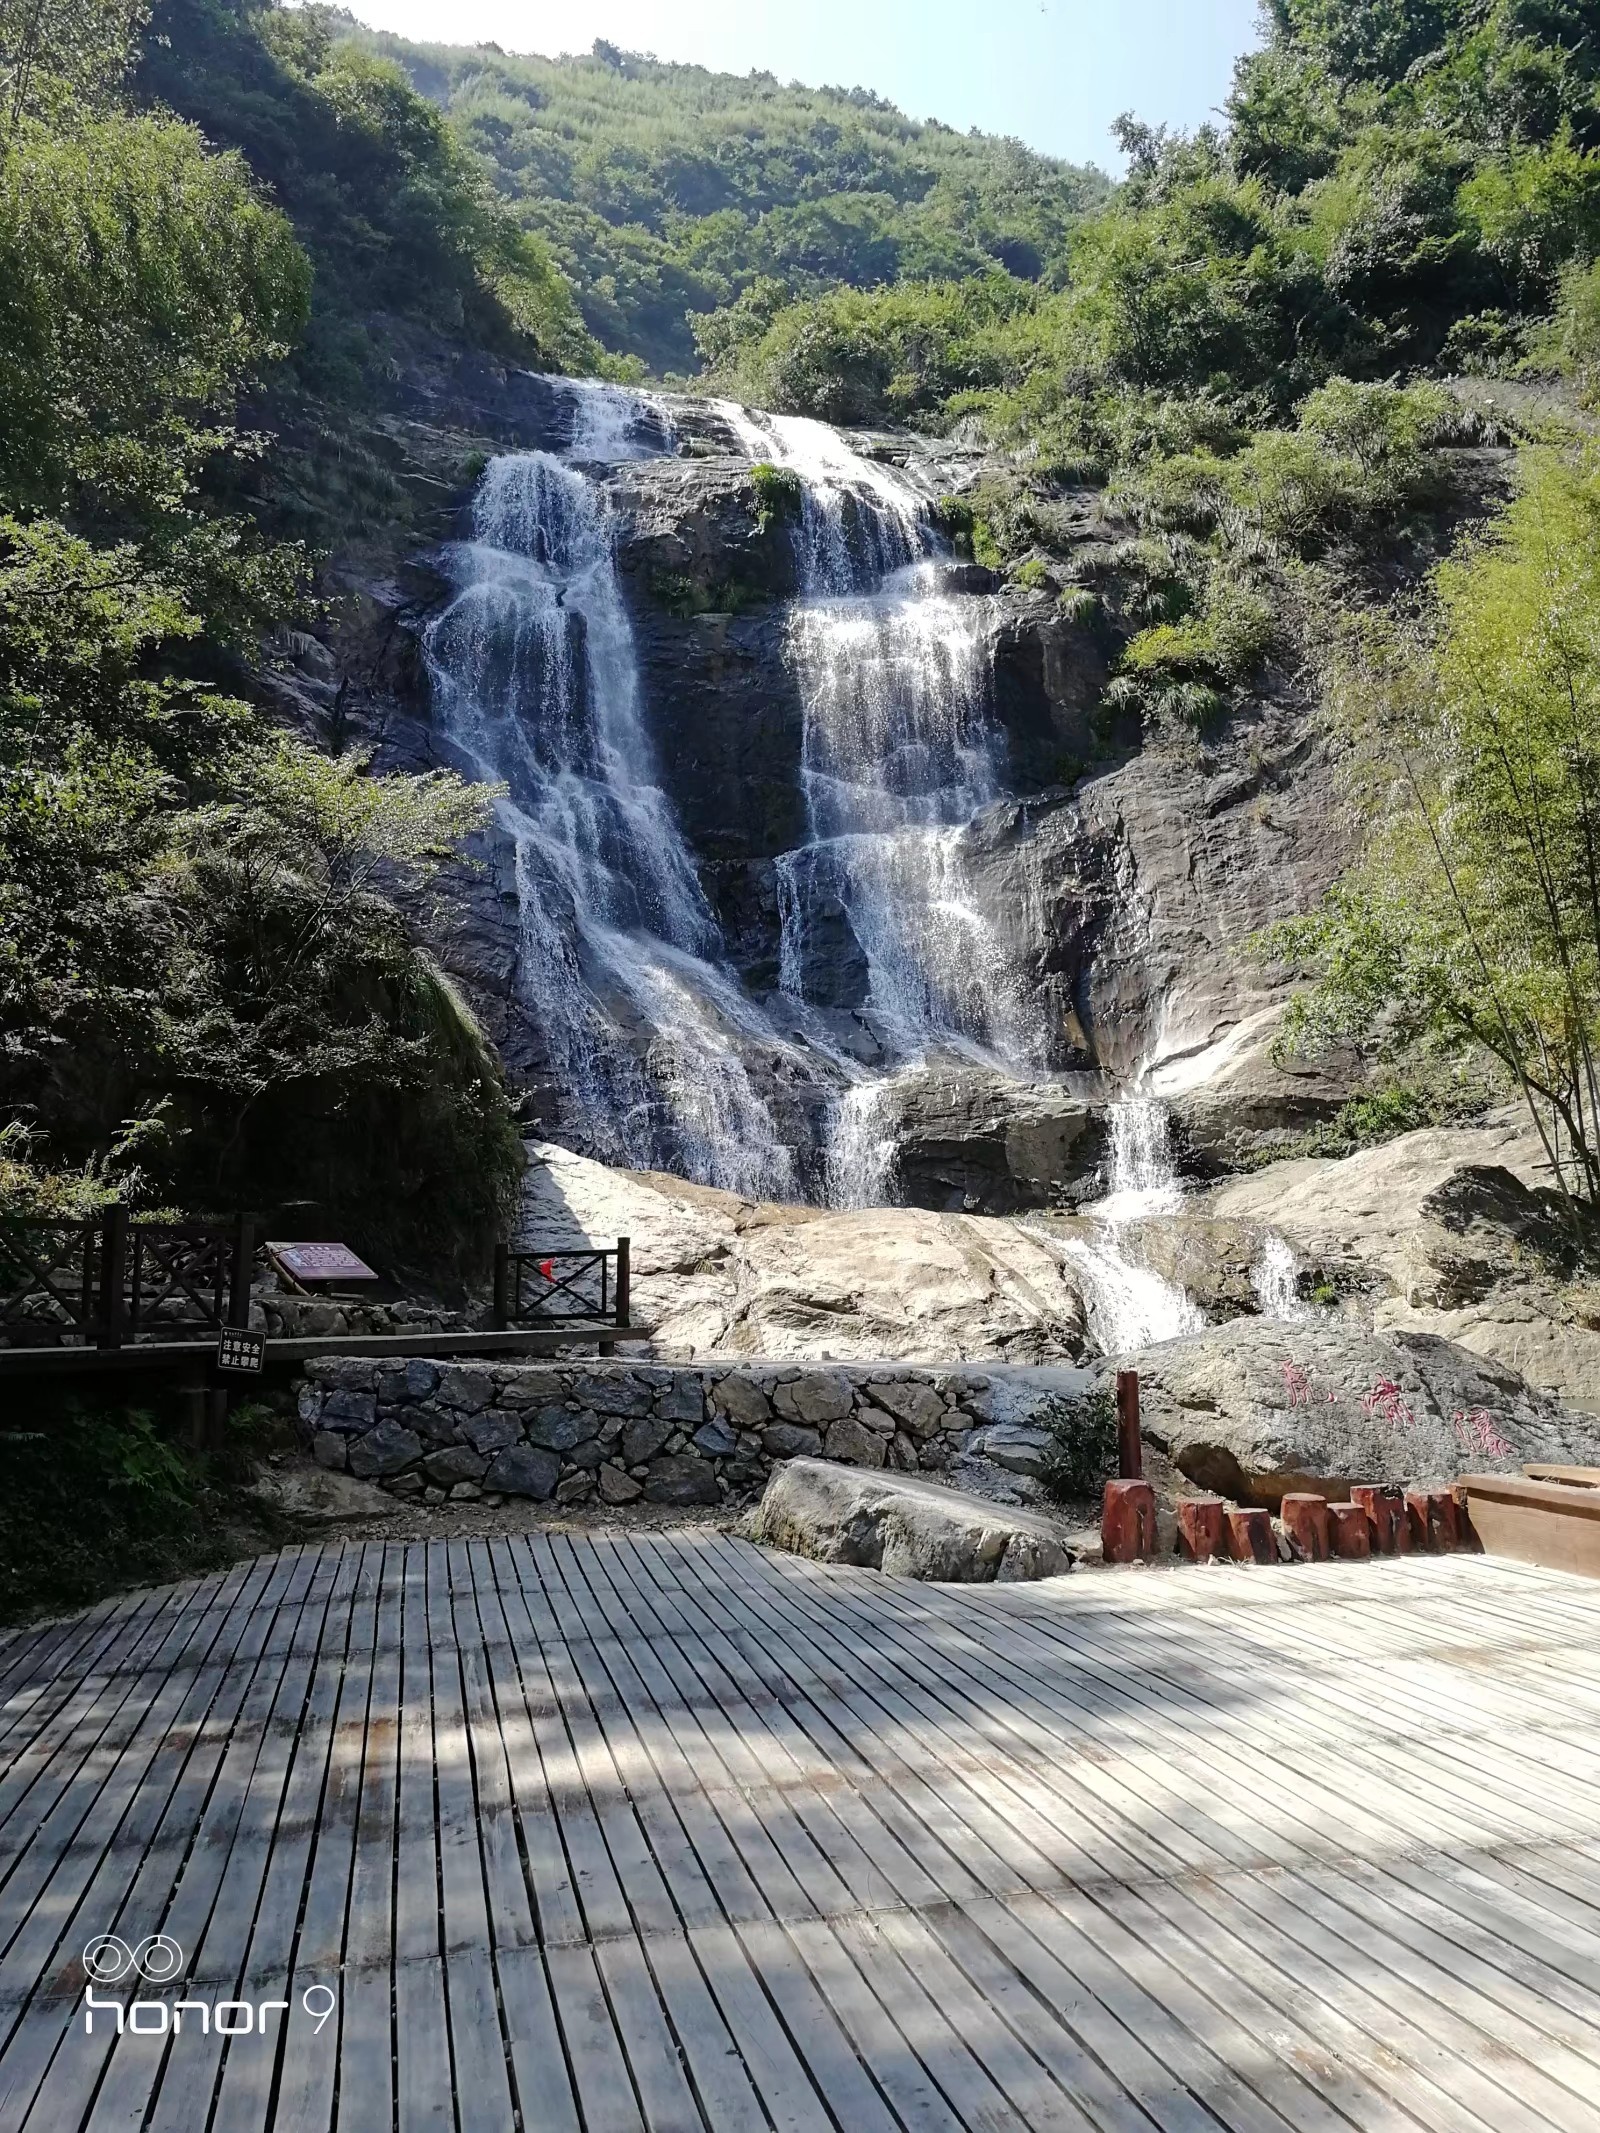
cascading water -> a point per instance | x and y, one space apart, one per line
536 683
1128 1305
899 755
1275 1277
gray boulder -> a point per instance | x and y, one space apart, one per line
491 1431
643 1439
742 1400
523 1470
904 1527
1257 1408
349 1410
1016 1447
388 1449
455 1463
682 1477
815 1396
470 1390
787 1440
613 1395
850 1441
917 1407
558 1429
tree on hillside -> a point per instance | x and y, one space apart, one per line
204 1000
1473 921
55 53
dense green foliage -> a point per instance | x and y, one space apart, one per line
668 190
203 1000
1400 184
1473 922
391 208
1239 343
1081 1456
93 1501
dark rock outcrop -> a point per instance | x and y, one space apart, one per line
1120 893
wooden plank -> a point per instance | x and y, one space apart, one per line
84 1889
174 1879
670 1833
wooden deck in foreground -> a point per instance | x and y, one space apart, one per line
664 1832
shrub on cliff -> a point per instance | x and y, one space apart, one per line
1473 921
1082 1453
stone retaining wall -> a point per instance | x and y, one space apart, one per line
679 1434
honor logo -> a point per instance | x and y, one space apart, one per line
158 1960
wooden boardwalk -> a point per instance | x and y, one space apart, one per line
664 1832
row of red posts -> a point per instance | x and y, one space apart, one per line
1378 1519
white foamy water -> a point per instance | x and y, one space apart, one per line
1275 1277
900 752
861 1146
1128 1305
535 679
615 422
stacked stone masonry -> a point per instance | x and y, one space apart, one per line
672 1434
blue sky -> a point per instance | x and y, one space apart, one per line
1053 72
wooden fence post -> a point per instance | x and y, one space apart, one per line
624 1279
244 1255
113 1273
502 1287
1130 1454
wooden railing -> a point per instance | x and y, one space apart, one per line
109 1281
532 1283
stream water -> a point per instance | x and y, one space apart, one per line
1129 1305
900 752
535 679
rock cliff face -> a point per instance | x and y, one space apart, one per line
1118 885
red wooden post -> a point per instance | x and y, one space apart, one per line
1305 1520
1348 1528
1419 1520
1386 1517
1250 1537
1128 1522
1130 1453
1200 1527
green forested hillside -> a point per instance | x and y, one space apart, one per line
1402 185
234 215
1244 342
665 190
203 1001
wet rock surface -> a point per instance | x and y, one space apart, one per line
1120 884
1447 1230
716 1274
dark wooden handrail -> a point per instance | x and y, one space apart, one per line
558 1276
110 1281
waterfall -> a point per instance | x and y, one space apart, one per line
1129 1306
899 754
1275 1277
861 1146
535 681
